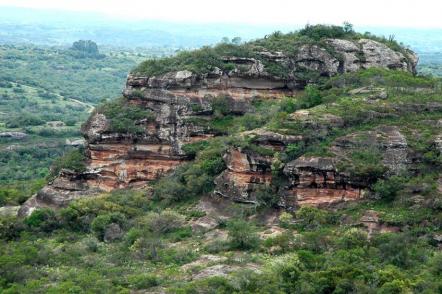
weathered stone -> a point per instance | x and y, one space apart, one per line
250 73
316 59
75 143
9 210
113 232
55 124
222 270
13 135
204 260
271 139
379 55
388 140
370 220
245 171
204 224
315 181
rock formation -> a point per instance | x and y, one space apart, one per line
181 100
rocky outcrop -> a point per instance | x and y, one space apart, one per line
245 173
315 181
13 135
387 140
311 180
371 221
252 76
183 104
66 187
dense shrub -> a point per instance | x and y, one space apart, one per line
10 228
318 32
294 150
101 222
221 106
242 235
311 217
285 219
143 281
124 117
87 47
193 148
74 160
387 189
353 238
163 222
24 119
365 165
195 178
43 219
266 196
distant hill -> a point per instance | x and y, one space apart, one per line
45 27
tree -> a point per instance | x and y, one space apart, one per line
225 40
242 235
85 48
236 40
348 27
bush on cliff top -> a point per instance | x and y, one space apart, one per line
74 160
125 117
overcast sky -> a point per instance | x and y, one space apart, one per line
400 13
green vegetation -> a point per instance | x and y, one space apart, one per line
17 192
242 235
124 117
365 164
316 254
74 160
195 178
86 48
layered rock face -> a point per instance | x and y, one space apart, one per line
310 180
180 100
321 181
315 181
248 171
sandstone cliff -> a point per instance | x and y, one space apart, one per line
183 102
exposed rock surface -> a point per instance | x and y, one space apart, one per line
13 135
222 270
66 187
311 180
315 181
113 232
9 210
250 76
245 173
388 140
370 220
180 98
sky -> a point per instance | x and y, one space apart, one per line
392 13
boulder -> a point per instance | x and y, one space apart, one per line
113 232
13 135
9 210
